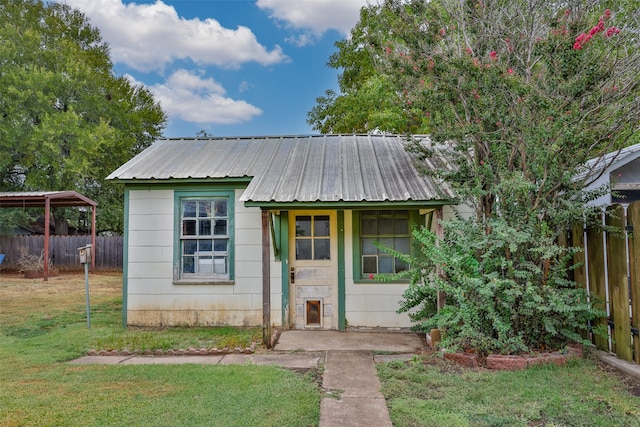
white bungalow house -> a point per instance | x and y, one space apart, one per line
273 231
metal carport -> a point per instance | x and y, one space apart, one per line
48 200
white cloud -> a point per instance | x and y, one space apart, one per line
189 96
314 17
244 86
147 37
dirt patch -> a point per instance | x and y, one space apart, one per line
21 298
632 383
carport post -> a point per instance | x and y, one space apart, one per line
47 214
266 281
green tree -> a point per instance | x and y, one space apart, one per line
523 93
369 98
66 120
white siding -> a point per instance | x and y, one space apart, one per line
154 299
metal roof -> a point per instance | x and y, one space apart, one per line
597 166
287 169
29 199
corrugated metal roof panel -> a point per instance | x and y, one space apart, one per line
322 168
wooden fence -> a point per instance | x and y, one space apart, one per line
610 269
63 250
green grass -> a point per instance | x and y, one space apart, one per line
43 325
432 392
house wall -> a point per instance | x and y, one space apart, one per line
375 304
370 304
152 297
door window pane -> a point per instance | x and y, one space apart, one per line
312 237
321 249
303 226
303 249
321 226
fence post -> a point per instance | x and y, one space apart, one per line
633 220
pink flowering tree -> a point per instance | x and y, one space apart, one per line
524 92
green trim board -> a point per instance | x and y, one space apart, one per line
358 278
284 266
219 192
125 259
342 323
351 205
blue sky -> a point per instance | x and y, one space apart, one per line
228 67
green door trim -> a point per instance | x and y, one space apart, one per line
341 273
284 266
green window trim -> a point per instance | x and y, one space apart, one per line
182 196
358 277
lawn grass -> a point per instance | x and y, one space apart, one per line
43 325
429 391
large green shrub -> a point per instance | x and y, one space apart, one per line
496 303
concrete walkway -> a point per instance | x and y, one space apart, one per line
353 391
350 381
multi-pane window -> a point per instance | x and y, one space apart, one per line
312 237
204 237
387 228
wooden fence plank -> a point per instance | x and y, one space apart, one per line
633 215
577 241
580 271
618 284
596 280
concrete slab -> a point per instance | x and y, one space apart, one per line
384 358
382 341
99 360
354 412
236 359
352 372
173 360
307 360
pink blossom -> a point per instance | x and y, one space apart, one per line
469 50
371 276
442 32
611 31
607 14
510 71
493 55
